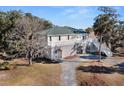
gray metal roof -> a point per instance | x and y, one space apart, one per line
58 30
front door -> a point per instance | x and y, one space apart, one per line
59 53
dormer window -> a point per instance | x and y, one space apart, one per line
59 38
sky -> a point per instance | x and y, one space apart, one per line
74 16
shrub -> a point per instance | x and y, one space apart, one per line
6 66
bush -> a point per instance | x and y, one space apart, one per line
6 66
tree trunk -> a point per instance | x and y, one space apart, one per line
30 56
26 56
100 48
110 47
30 61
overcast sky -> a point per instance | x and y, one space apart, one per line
78 16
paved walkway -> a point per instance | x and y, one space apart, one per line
68 75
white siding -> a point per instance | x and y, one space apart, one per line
64 40
65 44
67 51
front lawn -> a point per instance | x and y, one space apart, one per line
102 76
37 74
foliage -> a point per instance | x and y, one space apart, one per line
18 33
117 36
111 29
6 66
7 21
88 30
104 25
25 40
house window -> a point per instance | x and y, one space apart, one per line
83 37
59 38
68 37
50 38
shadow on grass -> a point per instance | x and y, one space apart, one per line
93 57
101 69
22 64
47 61
120 68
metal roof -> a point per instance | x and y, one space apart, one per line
58 30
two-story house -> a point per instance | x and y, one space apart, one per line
61 41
